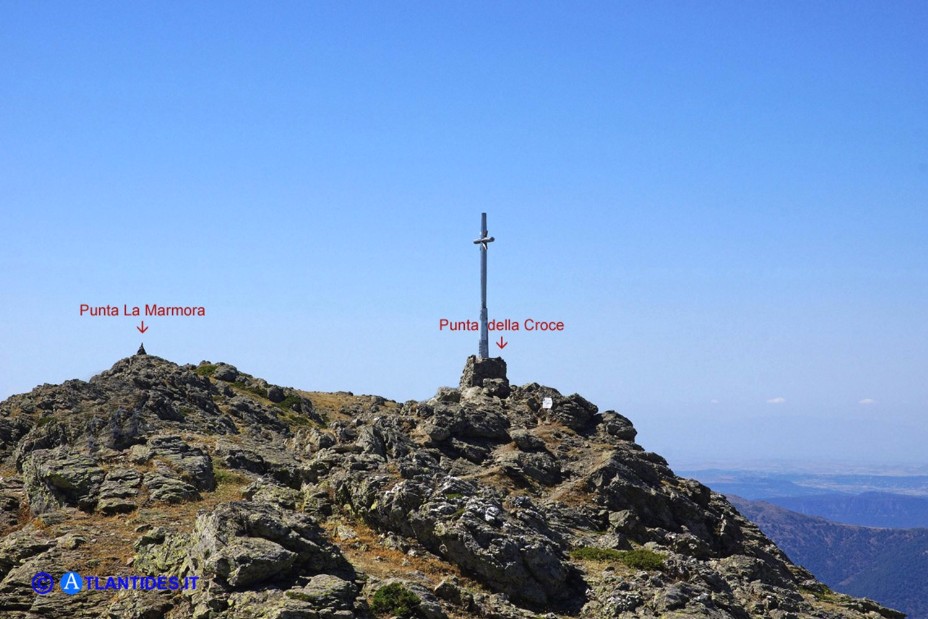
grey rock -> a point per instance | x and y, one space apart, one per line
191 465
319 440
618 426
437 433
18 546
465 422
275 394
250 560
526 441
255 415
118 491
450 590
248 543
56 478
498 387
470 451
477 371
429 606
326 591
141 605
11 497
526 566
226 372
163 488
541 467
263 492
575 412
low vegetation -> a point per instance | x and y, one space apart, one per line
225 476
638 559
206 370
395 600
288 402
292 418
258 391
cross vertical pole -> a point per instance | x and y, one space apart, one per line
483 351
484 332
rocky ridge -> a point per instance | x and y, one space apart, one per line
479 502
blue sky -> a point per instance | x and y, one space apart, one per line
725 203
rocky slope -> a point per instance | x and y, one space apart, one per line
479 502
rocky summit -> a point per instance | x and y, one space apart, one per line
201 491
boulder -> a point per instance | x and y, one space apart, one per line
118 491
275 394
226 372
247 561
539 466
574 411
616 425
191 465
56 478
11 496
526 441
169 489
326 592
243 544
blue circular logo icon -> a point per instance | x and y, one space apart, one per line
71 583
43 583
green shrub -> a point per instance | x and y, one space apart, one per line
206 370
643 559
395 599
225 476
295 419
258 391
289 402
591 553
821 592
638 559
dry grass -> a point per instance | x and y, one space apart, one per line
7 470
546 431
179 517
108 539
249 394
493 475
334 405
573 493
368 554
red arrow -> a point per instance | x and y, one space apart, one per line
143 328
502 343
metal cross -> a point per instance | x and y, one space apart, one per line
484 242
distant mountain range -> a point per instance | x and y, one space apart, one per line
759 484
870 509
887 565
